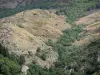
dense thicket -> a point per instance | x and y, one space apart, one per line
10 64
8 67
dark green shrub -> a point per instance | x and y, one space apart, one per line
21 60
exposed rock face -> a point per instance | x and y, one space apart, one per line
25 32
24 69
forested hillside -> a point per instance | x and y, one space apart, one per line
50 37
73 9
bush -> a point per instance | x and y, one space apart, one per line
8 67
3 51
21 60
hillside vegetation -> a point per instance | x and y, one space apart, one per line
26 33
50 37
73 9
78 50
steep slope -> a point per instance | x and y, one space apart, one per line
92 18
91 28
79 52
90 33
27 32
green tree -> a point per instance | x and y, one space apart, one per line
8 67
